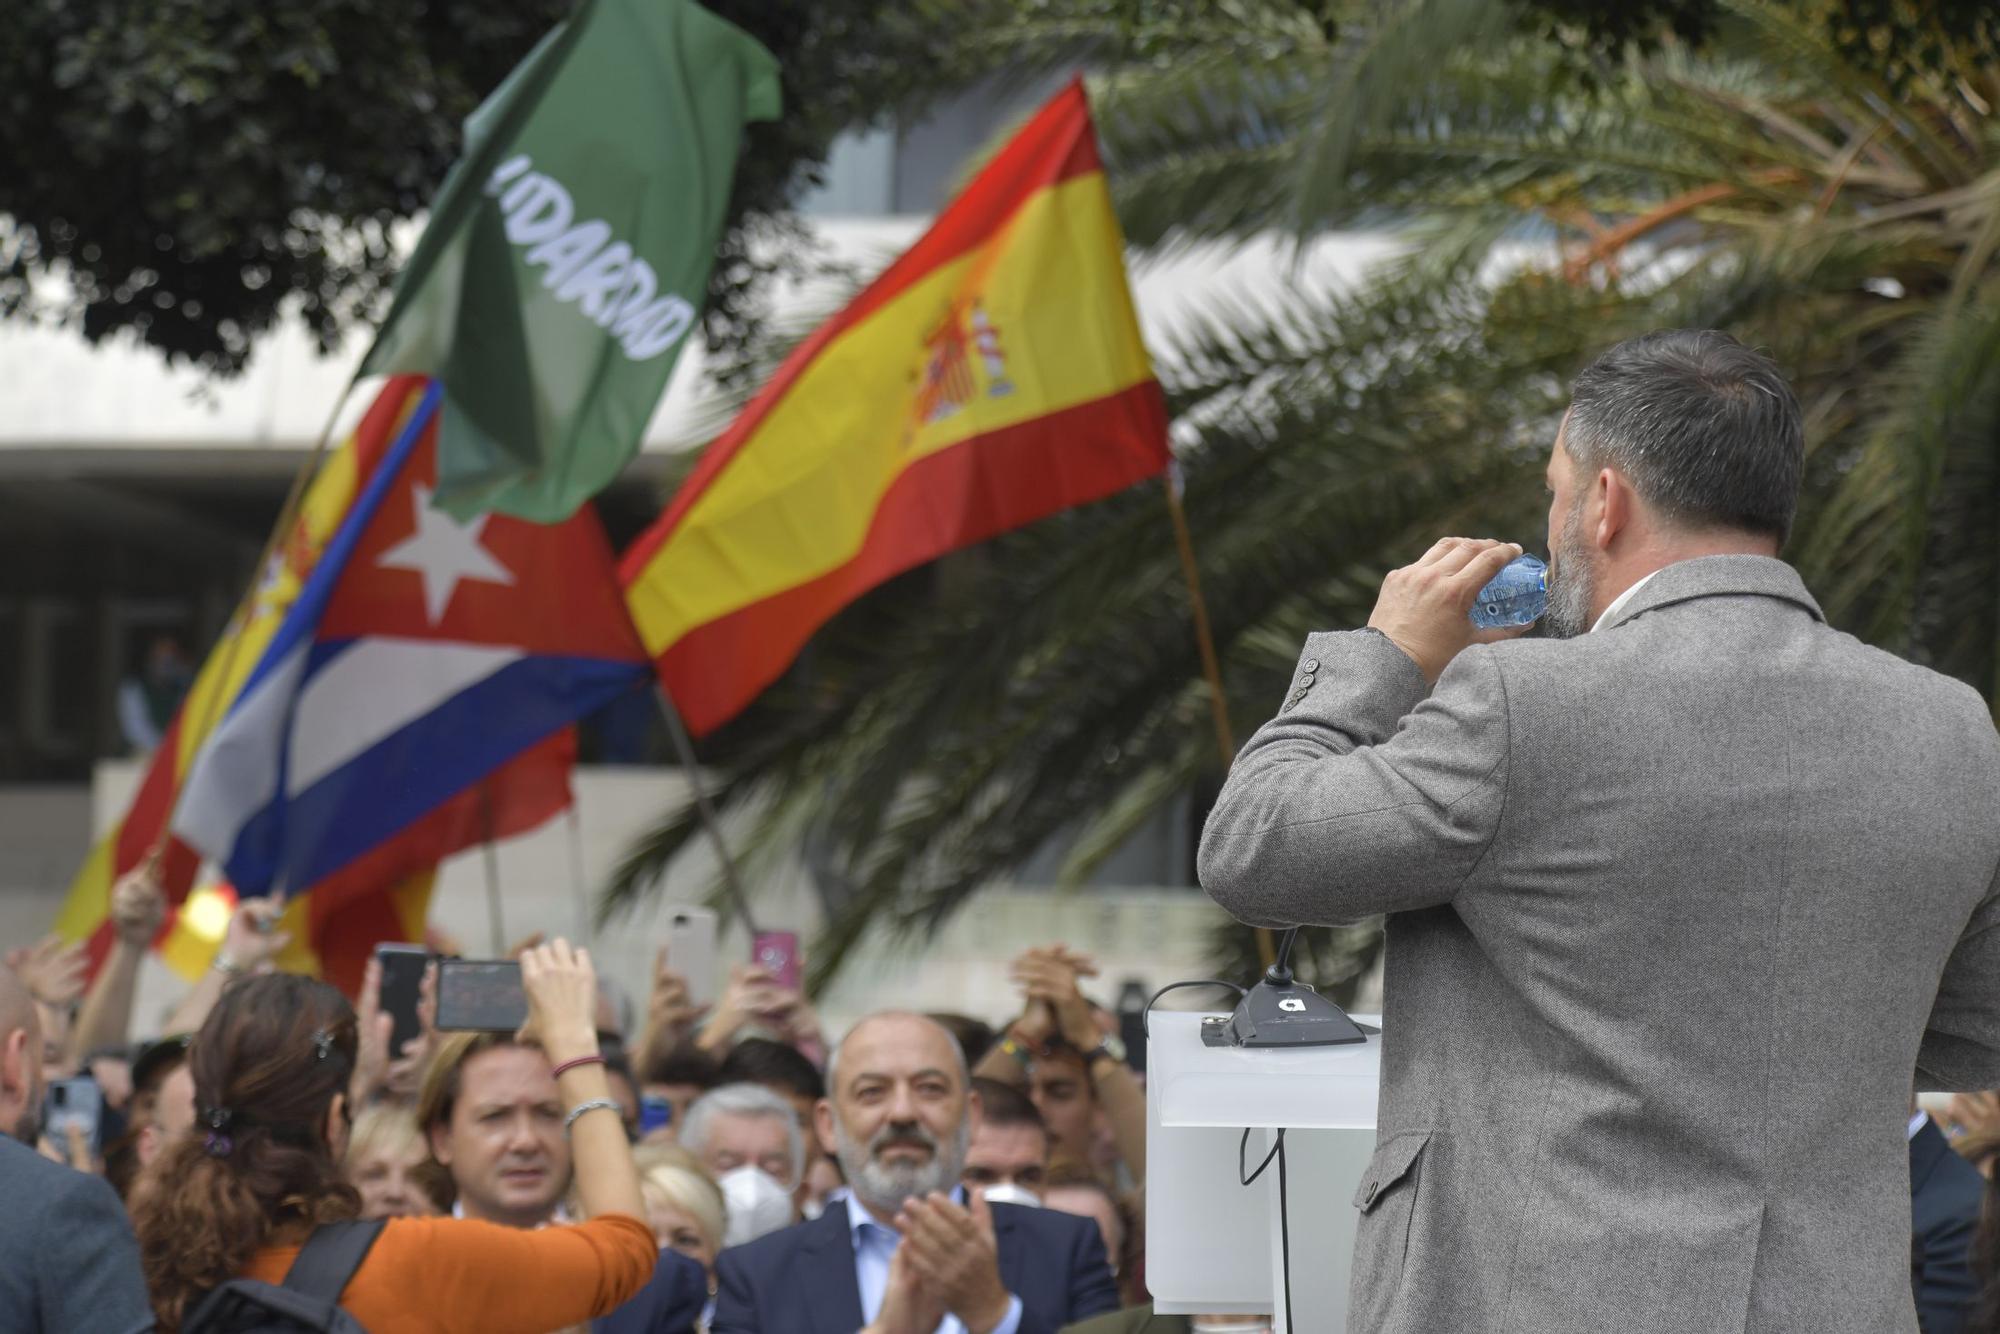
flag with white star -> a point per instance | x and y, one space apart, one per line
424 653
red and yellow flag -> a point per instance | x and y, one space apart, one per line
188 944
335 924
992 375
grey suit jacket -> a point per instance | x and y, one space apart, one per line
68 1260
1676 909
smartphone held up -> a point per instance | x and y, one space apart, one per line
480 996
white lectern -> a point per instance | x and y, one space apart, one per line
1212 1244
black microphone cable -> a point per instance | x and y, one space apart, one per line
1146 1015
1277 1149
1284 1209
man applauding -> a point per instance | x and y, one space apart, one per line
908 1251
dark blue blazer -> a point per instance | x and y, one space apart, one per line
802 1280
1946 1194
670 1303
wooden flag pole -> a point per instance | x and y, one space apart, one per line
684 747
1211 664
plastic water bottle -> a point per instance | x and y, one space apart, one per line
1518 595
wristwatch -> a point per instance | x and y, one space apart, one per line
1111 1048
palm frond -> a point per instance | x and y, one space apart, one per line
1043 691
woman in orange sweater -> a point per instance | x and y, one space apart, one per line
261 1170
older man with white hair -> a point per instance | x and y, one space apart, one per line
908 1251
747 1138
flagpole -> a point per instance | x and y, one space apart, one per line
1211 664
494 922
684 746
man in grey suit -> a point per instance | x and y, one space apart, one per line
1677 908
68 1259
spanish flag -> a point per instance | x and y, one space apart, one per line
992 375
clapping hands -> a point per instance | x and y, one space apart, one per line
1054 1004
954 1259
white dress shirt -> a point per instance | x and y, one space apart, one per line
1619 602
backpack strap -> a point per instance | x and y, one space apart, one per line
330 1257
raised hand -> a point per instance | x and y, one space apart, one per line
52 972
406 1068
139 904
1050 976
670 1007
562 1000
253 939
372 1030
1424 608
751 993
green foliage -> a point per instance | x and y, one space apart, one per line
1772 184
197 168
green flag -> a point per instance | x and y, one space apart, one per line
568 253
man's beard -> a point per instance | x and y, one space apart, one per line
1572 580
886 1187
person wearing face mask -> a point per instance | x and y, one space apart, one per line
492 1116
909 1250
1008 1159
747 1138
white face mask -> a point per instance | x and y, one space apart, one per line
758 1203
1006 1192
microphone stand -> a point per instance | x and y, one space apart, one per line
1281 1011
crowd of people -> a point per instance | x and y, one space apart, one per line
724 1167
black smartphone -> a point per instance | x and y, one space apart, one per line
402 987
480 996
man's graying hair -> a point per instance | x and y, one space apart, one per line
744 1100
1707 429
